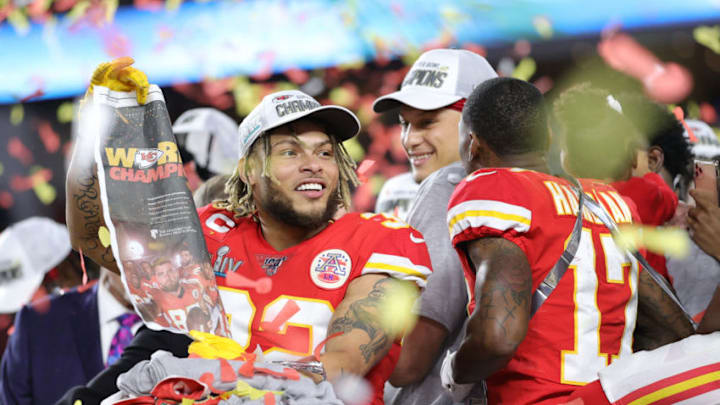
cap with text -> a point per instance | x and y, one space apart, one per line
438 78
283 107
28 250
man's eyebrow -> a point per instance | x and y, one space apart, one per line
295 141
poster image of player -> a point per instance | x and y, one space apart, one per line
155 232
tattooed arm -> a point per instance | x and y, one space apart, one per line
502 309
659 320
83 210
363 341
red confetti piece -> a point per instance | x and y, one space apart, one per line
680 115
20 183
19 151
63 5
708 113
6 200
37 93
297 76
11 330
82 266
149 5
288 310
247 369
262 285
84 287
320 346
478 49
363 170
269 398
208 379
227 374
49 137
40 301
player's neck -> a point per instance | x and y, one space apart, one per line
530 161
282 236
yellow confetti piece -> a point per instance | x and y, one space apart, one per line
172 5
354 149
110 9
187 401
209 346
65 112
376 182
45 192
19 21
525 69
78 10
77 402
708 36
2 169
104 236
543 26
17 114
341 96
396 310
668 241
243 389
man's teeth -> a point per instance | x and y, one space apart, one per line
423 156
310 186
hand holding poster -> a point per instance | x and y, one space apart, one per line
155 233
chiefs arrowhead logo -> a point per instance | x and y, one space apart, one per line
281 98
147 157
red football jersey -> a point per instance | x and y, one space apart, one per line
589 318
290 295
178 305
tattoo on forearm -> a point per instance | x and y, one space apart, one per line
88 206
659 320
363 315
504 296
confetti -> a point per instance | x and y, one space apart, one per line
49 138
708 36
680 116
543 26
65 112
262 285
708 113
396 314
671 241
17 113
525 69
104 236
45 192
19 21
2 168
352 390
19 151
288 310
172 5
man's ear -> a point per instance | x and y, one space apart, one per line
245 170
656 158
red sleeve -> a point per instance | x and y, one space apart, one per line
655 200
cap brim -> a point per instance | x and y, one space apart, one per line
14 295
339 121
415 98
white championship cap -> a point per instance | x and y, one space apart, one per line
280 108
707 145
210 137
438 78
28 250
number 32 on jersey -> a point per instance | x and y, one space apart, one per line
293 325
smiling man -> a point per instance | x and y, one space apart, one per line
430 104
313 274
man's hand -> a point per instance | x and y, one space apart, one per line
704 222
118 75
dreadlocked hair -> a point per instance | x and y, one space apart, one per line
240 199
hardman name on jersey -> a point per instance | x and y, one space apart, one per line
294 106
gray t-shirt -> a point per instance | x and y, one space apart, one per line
444 299
695 278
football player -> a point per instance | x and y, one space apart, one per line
293 175
509 222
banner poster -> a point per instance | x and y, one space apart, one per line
155 232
